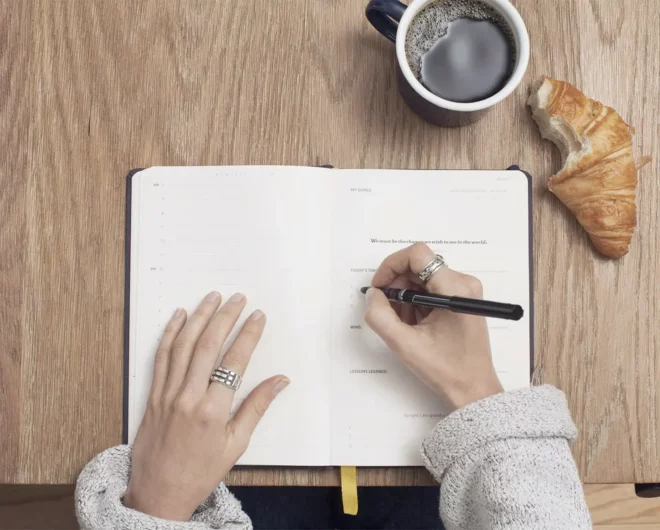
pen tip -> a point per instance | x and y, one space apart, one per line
364 290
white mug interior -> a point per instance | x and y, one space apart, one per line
511 17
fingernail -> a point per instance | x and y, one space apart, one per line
178 313
212 297
370 294
281 385
257 315
238 297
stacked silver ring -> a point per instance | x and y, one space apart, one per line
226 377
436 263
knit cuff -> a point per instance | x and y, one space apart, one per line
537 412
102 485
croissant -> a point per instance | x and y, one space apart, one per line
598 179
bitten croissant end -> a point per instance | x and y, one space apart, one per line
599 179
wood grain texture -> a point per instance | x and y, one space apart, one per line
90 90
652 526
410 476
617 504
14 104
36 507
612 507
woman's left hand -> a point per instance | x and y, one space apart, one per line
188 441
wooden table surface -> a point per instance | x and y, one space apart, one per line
51 507
90 90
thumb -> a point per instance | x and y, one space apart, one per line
382 318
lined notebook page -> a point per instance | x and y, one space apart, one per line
261 231
479 222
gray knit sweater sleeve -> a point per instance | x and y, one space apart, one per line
504 463
101 487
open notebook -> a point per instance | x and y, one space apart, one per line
300 242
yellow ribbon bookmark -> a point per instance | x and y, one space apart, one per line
349 497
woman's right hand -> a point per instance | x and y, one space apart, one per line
449 351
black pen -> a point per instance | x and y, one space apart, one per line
456 304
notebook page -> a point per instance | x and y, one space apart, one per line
239 229
479 222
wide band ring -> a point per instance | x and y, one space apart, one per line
433 266
226 377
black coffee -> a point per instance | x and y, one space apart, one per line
461 50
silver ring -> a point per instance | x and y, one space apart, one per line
226 377
436 263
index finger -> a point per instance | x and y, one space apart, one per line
410 259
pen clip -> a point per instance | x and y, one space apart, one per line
429 301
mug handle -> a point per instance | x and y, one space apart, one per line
384 15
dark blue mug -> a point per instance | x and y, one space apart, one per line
392 19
